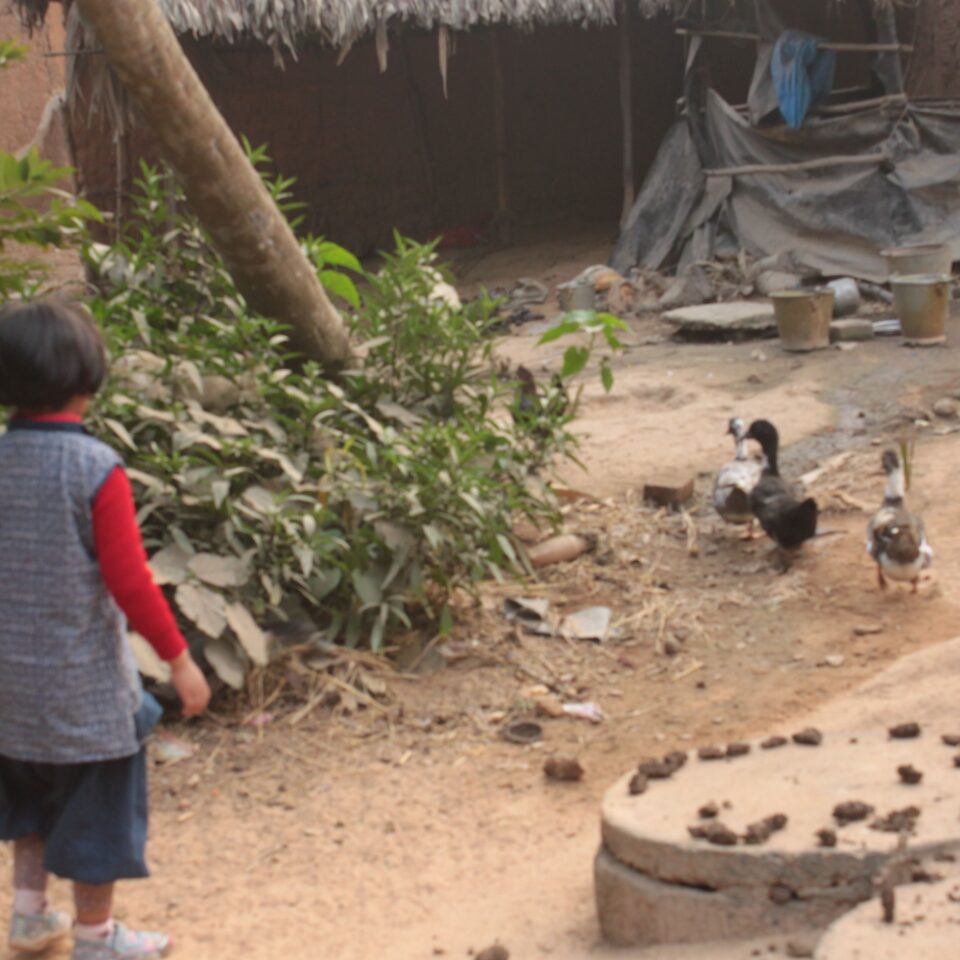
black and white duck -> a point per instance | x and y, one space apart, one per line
896 539
735 481
786 519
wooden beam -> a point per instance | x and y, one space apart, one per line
825 45
626 110
819 164
841 108
504 231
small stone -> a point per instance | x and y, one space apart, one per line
780 894
868 629
850 330
656 769
771 743
904 731
566 769
637 785
708 811
802 946
757 833
834 660
947 407
671 647
951 739
909 774
719 834
898 821
711 753
827 837
737 749
811 737
956 760
675 759
851 811
668 495
496 952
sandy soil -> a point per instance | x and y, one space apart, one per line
414 830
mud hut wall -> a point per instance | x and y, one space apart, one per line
27 85
374 151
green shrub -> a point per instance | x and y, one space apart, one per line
269 492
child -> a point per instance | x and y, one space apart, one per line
73 573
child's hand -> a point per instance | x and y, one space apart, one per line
190 684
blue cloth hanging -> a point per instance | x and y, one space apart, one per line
802 75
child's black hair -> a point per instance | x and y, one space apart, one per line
50 352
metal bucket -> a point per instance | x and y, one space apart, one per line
803 318
846 296
918 258
922 302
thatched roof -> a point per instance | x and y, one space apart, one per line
284 23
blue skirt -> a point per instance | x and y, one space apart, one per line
92 817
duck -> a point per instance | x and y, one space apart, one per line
735 481
785 518
896 539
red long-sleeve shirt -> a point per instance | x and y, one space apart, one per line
123 561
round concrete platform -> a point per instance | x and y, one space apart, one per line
926 926
657 884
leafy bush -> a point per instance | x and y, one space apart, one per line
271 493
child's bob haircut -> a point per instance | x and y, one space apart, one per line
50 352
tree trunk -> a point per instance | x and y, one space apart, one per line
933 65
222 186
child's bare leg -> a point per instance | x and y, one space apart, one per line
33 927
29 877
94 904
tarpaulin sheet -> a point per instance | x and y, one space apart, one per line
833 220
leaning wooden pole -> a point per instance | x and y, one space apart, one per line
626 110
226 192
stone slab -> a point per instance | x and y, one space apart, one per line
647 834
737 316
843 331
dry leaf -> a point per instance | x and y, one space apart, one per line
252 638
223 656
204 607
169 565
148 663
219 571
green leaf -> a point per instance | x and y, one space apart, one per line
574 360
367 585
562 329
446 621
606 375
337 256
340 285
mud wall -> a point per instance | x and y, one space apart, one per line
374 151
27 85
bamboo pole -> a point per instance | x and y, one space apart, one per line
504 230
626 110
826 45
819 164
225 191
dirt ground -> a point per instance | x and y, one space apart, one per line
411 829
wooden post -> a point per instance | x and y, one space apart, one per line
626 110
889 65
504 231
222 186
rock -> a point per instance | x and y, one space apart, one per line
770 281
772 743
496 952
735 317
690 287
802 946
810 737
219 394
737 750
851 811
904 731
843 331
671 647
947 407
668 495
868 629
827 837
834 660
566 769
909 774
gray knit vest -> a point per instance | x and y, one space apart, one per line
69 687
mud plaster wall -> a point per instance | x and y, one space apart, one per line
27 85
375 151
